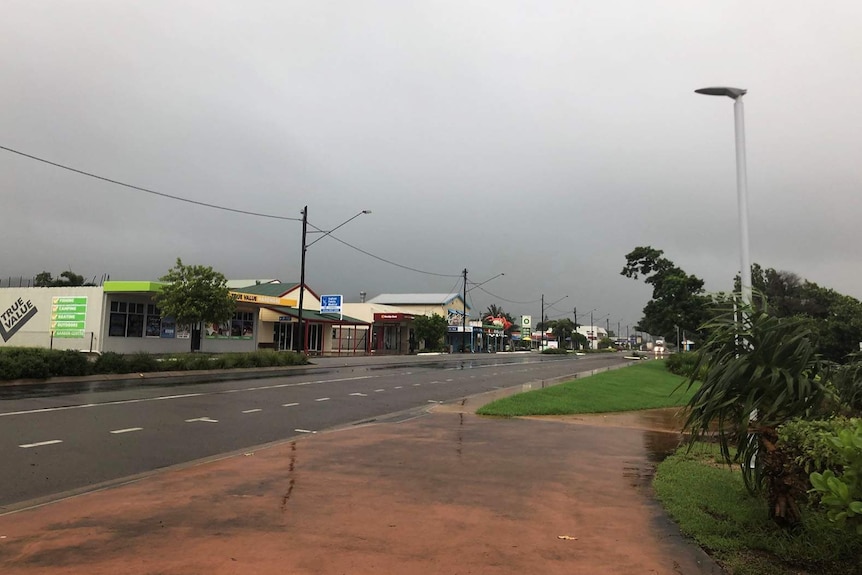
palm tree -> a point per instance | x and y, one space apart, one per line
757 374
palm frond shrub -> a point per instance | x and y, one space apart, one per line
757 371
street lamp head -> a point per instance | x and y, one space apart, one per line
366 211
733 93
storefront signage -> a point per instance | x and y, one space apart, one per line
69 316
263 299
392 316
15 316
526 326
330 303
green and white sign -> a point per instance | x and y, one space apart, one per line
526 326
69 316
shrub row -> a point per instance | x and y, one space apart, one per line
38 363
682 364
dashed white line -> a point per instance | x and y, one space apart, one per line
251 410
127 430
304 431
41 443
398 387
357 394
379 390
322 399
289 404
448 380
203 419
416 384
181 396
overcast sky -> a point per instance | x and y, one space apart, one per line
542 139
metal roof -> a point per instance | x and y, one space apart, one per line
311 315
274 289
415 298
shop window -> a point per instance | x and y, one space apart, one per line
126 319
154 321
240 326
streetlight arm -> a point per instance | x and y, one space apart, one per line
486 281
344 223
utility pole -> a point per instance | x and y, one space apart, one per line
542 319
464 318
576 329
592 331
302 344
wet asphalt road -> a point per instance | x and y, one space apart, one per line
52 442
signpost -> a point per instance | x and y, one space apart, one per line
331 304
526 327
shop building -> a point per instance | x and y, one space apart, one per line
461 333
123 317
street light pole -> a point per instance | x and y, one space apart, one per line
736 95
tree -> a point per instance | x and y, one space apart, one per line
431 330
757 374
836 318
195 294
67 279
562 329
678 298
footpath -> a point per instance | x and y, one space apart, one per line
447 492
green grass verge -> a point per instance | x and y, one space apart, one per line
645 385
711 505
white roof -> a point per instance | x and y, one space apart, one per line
234 284
415 298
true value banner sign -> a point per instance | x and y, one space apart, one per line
331 304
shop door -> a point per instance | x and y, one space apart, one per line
283 336
315 337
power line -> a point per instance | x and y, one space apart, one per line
214 206
384 260
148 191
506 300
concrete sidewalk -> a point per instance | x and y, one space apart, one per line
448 492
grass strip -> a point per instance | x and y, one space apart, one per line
645 385
709 502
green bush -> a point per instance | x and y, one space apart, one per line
682 363
67 363
38 363
142 362
809 443
24 363
841 493
555 351
848 384
110 362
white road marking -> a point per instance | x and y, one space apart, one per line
41 443
379 390
127 430
182 396
322 399
416 384
435 381
448 380
304 431
252 410
360 394
398 386
203 419
289 404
